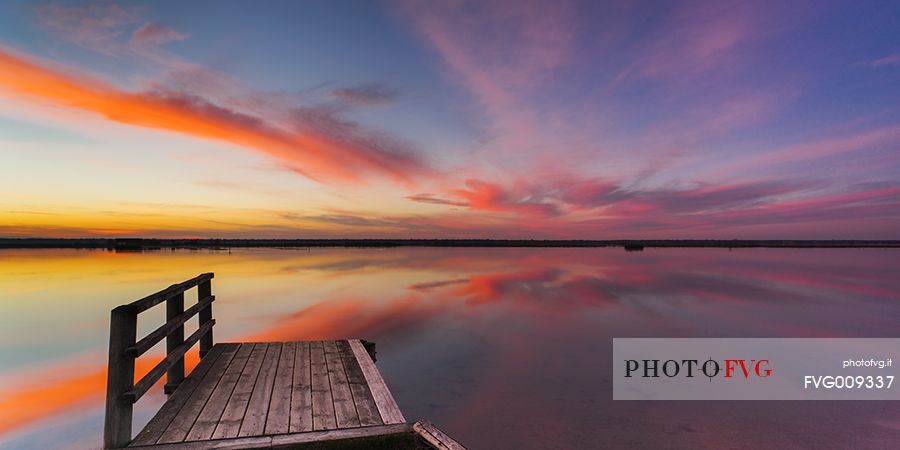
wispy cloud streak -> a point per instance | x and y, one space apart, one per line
317 142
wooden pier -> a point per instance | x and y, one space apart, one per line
251 395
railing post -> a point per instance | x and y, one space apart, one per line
204 290
175 374
120 378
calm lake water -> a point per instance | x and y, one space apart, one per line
501 348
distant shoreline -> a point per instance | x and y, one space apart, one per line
138 244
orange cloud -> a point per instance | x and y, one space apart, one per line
314 143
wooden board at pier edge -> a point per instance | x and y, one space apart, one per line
276 391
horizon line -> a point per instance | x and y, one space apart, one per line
140 243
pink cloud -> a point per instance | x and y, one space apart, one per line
890 60
371 94
96 25
501 52
566 195
151 34
813 150
482 195
573 207
431 199
697 39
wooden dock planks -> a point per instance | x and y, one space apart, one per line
279 417
206 422
387 406
254 420
230 423
322 405
173 407
362 396
251 390
344 408
301 390
181 424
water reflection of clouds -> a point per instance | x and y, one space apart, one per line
504 346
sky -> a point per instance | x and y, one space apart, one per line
451 119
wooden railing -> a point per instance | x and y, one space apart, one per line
124 348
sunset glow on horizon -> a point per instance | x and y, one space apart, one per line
403 119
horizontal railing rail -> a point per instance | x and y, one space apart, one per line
141 346
167 293
124 348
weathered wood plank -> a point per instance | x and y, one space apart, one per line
158 424
246 443
254 422
279 418
387 406
344 409
301 390
230 422
297 440
362 396
285 441
206 422
182 423
435 437
322 404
